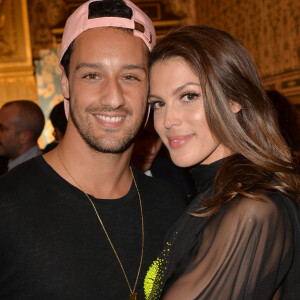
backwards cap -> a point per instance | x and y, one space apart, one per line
93 14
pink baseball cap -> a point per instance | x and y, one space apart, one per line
82 20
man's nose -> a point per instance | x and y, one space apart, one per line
113 95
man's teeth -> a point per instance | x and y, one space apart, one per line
109 119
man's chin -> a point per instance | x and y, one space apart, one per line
115 148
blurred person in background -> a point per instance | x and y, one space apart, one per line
3 164
21 124
59 122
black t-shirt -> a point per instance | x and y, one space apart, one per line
53 246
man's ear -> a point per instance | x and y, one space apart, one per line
25 136
64 82
235 107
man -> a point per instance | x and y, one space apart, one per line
3 164
88 228
21 124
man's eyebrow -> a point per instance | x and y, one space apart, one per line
88 65
135 67
100 66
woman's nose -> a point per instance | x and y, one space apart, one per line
172 116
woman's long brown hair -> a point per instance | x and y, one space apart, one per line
227 73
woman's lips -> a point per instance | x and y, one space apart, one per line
178 141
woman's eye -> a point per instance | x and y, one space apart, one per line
190 97
156 105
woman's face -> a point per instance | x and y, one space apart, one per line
179 116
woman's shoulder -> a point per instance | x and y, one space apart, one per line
259 206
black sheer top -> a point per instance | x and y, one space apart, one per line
249 249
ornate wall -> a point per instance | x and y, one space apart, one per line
185 9
44 15
269 29
16 71
46 29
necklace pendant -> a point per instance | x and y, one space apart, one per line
133 296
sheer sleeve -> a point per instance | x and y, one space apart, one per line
244 252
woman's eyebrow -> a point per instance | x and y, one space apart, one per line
180 88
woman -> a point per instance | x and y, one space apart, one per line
240 237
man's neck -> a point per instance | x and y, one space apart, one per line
101 175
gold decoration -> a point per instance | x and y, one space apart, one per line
16 71
269 30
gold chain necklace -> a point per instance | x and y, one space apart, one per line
133 295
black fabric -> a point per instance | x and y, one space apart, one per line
204 175
164 168
249 249
53 247
109 8
3 164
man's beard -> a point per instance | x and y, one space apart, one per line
108 143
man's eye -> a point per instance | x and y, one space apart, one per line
157 105
131 77
91 76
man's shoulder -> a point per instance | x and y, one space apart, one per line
24 167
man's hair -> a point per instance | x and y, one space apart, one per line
30 117
58 117
65 61
105 8
99 9
227 73
109 8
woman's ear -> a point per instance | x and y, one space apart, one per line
235 107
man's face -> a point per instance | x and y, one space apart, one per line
107 87
9 135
